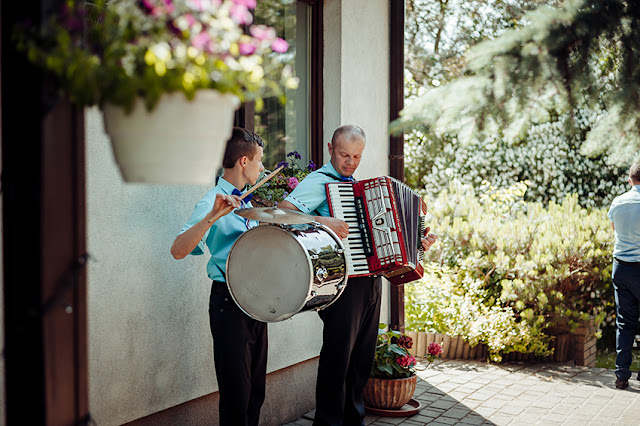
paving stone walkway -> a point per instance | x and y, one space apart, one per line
477 393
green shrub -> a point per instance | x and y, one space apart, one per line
451 302
547 265
547 155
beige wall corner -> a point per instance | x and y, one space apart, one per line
356 79
356 83
150 346
290 393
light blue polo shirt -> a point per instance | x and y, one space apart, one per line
625 215
222 234
310 196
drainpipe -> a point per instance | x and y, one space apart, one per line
396 142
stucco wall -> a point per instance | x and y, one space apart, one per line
356 82
149 343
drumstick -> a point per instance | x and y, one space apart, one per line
253 188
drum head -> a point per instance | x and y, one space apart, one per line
269 273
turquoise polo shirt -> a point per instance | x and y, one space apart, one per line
222 234
625 215
310 196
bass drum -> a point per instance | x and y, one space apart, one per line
276 271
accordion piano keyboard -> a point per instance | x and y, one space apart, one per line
343 207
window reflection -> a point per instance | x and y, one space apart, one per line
286 128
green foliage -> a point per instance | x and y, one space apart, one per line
113 51
279 187
385 364
606 359
546 155
507 270
392 358
451 301
582 54
439 32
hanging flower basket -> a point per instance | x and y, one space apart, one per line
178 142
174 58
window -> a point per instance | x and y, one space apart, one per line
296 125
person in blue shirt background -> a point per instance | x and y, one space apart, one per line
351 322
624 215
241 357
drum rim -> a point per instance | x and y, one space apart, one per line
310 284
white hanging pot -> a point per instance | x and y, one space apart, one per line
178 142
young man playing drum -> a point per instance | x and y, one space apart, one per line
240 342
351 323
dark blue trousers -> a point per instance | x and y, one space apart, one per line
240 357
348 349
626 284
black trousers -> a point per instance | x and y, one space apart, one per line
348 349
240 357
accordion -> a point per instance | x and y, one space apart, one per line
385 227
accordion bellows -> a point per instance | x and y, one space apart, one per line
385 227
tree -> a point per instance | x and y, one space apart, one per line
439 32
582 54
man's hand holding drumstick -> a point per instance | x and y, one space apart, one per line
223 204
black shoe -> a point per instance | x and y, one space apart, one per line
638 375
622 384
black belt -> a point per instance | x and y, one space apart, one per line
220 287
631 264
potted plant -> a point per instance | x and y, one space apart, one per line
283 183
392 382
166 73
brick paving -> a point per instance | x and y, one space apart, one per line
476 393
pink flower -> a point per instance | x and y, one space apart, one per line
241 14
405 342
201 5
150 5
190 20
293 182
434 349
279 45
251 4
202 41
169 6
246 48
262 32
406 361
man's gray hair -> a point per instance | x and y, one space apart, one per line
349 131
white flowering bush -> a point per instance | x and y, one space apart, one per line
548 157
113 51
449 301
548 265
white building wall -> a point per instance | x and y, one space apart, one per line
149 342
150 347
356 82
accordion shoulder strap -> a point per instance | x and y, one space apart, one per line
331 176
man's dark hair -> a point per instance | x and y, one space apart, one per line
634 173
349 131
242 143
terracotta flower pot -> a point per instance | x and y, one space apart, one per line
389 394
